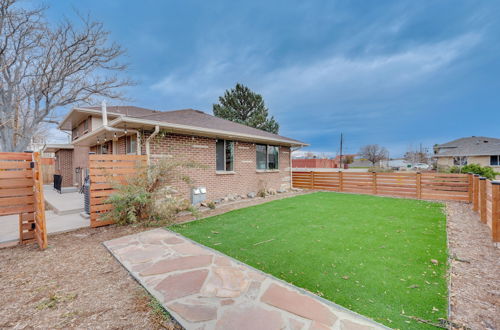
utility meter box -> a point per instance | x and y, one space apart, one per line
198 195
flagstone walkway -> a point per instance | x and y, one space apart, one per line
204 289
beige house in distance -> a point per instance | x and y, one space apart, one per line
481 150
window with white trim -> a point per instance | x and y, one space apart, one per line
131 144
495 160
224 154
267 157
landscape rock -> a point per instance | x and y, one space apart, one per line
298 304
250 318
194 312
251 194
182 285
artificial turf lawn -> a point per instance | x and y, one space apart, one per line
367 253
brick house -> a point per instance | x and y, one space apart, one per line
234 159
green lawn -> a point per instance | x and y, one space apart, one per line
367 253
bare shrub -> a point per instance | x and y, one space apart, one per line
149 197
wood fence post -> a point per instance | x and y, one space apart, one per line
418 182
312 180
374 182
495 210
470 187
341 181
482 199
475 193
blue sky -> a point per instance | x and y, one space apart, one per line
396 73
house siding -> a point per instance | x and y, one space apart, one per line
201 150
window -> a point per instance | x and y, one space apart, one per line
224 152
103 148
267 157
460 160
261 156
131 144
86 124
495 160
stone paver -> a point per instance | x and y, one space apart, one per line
204 289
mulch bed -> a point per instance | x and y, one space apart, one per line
474 270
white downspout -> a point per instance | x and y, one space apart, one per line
156 131
104 114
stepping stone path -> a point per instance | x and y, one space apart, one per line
204 289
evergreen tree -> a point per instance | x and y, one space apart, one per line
243 106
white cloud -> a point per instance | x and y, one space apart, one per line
344 79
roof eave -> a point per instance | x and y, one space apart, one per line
211 132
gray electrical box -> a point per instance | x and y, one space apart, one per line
198 195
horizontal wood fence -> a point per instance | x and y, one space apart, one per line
483 194
21 193
105 171
486 201
412 185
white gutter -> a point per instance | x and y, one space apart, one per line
209 130
156 131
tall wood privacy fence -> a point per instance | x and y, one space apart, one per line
21 192
483 194
105 171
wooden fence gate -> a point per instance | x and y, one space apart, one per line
105 171
21 192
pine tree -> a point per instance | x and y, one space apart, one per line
246 107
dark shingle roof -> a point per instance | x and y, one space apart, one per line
194 118
470 146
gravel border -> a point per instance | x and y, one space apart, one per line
474 270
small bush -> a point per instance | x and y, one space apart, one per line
211 205
148 197
484 171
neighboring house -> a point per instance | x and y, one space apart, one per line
234 158
481 150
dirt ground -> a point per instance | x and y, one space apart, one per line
75 283
474 270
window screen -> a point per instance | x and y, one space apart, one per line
272 157
261 156
219 151
495 160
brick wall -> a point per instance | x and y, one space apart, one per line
201 150
64 166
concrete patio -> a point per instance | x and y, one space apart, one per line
65 203
9 228
204 289
62 214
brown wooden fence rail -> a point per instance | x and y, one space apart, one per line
21 192
486 201
105 171
412 185
483 194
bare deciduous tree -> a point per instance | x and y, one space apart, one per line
44 67
415 156
374 153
